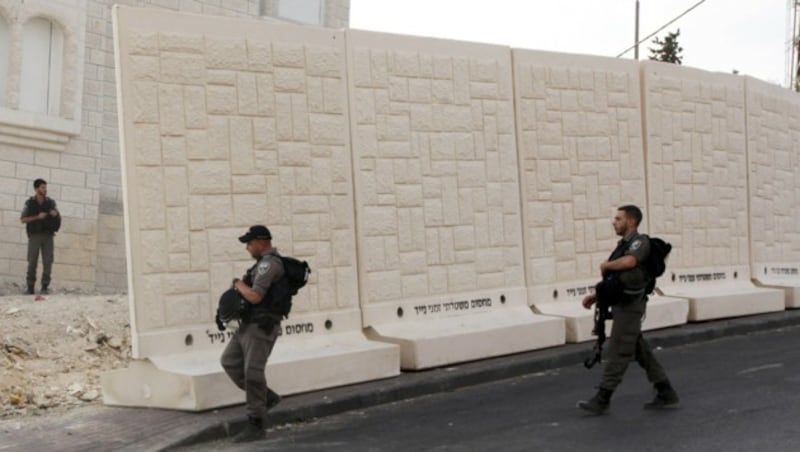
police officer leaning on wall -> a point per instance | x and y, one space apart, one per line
245 356
626 341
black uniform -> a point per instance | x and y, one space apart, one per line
40 239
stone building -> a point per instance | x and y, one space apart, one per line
58 121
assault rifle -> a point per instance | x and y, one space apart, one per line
601 314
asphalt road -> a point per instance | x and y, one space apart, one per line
737 394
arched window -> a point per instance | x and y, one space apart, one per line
5 39
42 63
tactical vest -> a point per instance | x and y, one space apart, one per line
634 280
261 312
50 224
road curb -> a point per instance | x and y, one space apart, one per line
415 384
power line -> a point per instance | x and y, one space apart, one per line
663 27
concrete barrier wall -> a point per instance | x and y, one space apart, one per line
580 147
697 188
437 196
438 189
228 126
773 147
581 157
228 123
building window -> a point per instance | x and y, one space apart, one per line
308 12
5 64
42 63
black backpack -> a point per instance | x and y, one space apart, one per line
279 296
656 262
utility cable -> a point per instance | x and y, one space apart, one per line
663 27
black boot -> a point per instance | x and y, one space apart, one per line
45 290
273 398
666 397
597 404
30 290
253 431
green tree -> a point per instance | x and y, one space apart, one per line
667 50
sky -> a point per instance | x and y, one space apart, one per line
749 36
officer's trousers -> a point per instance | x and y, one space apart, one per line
627 343
40 241
244 360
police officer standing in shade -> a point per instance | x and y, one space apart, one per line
627 342
245 356
41 220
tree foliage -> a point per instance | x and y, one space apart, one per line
668 49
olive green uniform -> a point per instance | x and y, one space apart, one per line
626 341
245 356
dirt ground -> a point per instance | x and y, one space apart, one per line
53 349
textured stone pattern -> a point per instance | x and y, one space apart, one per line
580 146
773 145
697 165
100 104
229 132
435 157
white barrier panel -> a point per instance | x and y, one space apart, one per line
437 195
697 186
580 146
227 123
773 150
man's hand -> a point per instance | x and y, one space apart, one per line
589 300
53 213
220 324
41 216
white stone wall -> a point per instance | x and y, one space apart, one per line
58 149
581 157
228 124
436 169
696 164
111 266
79 153
773 146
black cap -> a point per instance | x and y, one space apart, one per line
257 232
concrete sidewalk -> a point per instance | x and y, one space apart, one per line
110 428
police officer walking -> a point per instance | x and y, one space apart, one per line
41 220
245 356
627 342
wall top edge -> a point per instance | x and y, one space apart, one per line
532 56
651 68
752 83
425 44
144 19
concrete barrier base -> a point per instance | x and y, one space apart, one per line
707 302
662 312
790 290
195 381
785 277
437 342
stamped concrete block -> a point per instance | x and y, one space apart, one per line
435 162
772 133
202 177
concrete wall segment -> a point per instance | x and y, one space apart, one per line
581 156
194 202
696 163
773 137
435 165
